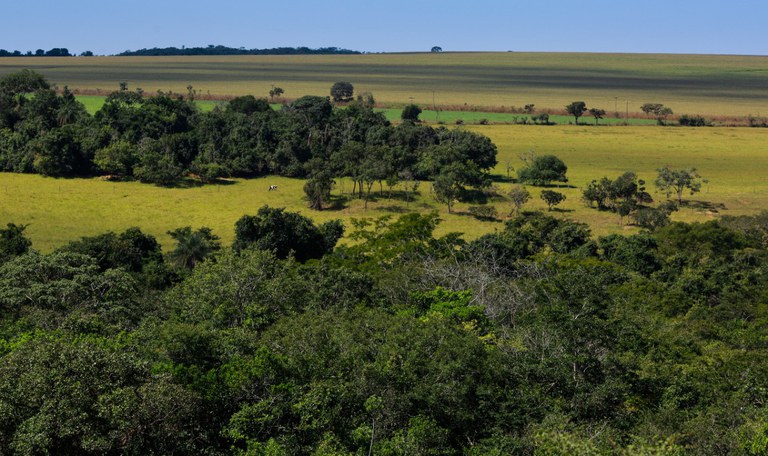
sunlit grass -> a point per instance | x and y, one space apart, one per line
733 160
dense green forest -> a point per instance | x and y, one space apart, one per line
534 340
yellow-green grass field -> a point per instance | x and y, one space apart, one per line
693 84
733 160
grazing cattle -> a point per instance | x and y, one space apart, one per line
272 187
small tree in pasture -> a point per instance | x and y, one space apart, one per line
576 109
677 181
519 195
597 113
552 198
275 92
657 110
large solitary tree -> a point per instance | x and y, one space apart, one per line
542 170
342 91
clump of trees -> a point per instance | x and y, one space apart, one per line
164 138
657 110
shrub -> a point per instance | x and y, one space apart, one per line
693 121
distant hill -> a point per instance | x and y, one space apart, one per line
224 50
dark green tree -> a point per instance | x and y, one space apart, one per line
597 113
275 92
411 112
13 242
552 198
285 233
248 104
192 247
576 109
342 91
543 170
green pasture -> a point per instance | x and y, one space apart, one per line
94 102
689 84
733 160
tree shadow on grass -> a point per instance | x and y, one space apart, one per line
481 218
395 209
704 205
191 182
500 178
337 203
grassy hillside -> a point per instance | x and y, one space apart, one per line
693 84
733 160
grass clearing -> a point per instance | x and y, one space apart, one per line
692 84
733 160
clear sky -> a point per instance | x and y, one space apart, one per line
670 26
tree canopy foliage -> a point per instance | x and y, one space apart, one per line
543 170
523 341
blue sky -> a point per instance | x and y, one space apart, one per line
671 26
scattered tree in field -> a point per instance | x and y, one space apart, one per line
597 113
529 108
192 247
411 112
677 181
448 187
318 189
519 195
543 170
576 109
342 91
552 198
658 110
626 192
436 49
541 119
275 92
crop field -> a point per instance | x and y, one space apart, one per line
733 160
689 84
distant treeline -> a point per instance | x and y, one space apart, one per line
225 50
55 52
